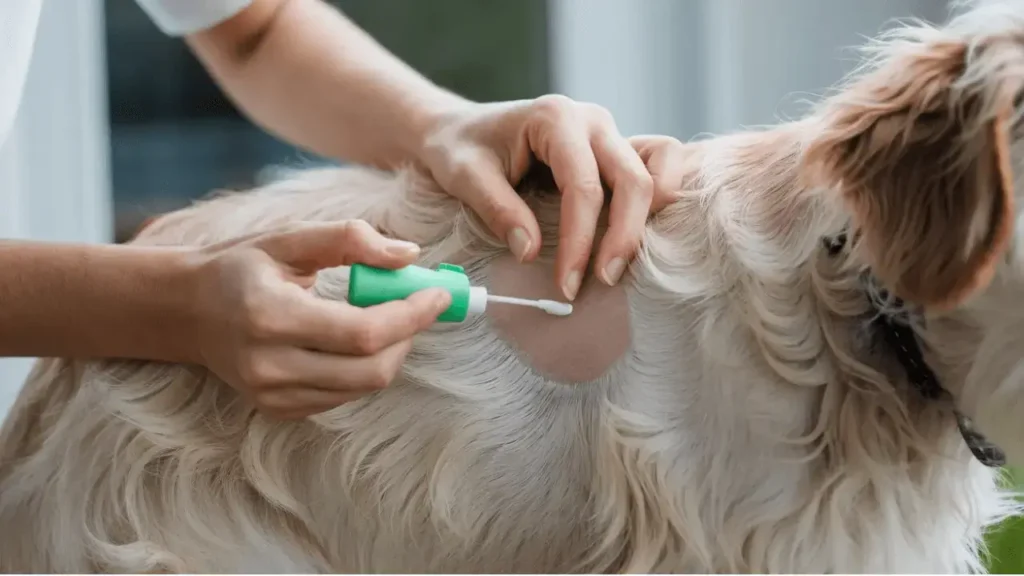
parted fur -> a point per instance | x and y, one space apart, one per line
754 425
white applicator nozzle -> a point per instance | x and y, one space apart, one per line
550 306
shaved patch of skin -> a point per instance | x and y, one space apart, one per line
577 348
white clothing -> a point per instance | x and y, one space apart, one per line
181 17
20 18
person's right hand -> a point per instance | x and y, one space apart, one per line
293 354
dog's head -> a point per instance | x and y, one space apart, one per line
924 145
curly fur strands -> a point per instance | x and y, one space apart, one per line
752 426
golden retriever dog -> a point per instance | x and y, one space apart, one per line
815 364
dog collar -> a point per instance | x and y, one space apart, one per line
895 331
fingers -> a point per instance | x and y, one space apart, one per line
294 383
577 227
297 383
561 139
293 403
334 373
632 190
309 246
668 163
336 327
331 353
581 144
488 193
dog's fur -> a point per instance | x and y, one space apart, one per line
753 424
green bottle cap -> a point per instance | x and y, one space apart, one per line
370 286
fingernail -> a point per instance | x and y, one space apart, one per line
519 242
613 271
572 285
443 301
402 248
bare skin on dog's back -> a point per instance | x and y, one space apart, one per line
578 348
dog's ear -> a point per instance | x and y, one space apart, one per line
919 149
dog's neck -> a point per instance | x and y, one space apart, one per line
746 223
895 331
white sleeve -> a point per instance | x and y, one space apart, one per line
181 17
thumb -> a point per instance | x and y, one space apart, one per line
312 246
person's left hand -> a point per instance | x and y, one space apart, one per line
477 153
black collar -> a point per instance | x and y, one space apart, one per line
900 338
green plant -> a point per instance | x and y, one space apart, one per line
1005 542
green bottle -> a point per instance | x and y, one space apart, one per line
369 286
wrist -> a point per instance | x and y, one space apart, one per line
151 313
428 118
176 303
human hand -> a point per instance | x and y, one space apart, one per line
291 353
476 151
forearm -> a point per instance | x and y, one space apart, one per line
301 70
87 301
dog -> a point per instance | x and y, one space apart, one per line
814 364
